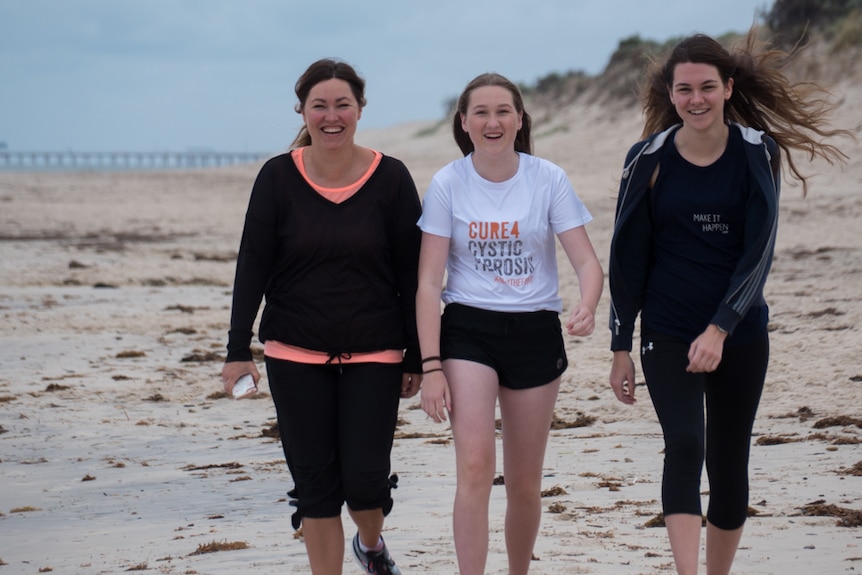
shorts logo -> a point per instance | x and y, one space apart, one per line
647 347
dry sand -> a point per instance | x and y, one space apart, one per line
118 451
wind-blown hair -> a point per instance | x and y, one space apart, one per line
320 71
794 114
523 143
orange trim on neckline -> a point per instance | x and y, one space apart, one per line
335 195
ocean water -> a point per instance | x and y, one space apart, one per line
27 161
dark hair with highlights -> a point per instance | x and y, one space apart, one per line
523 143
794 114
320 71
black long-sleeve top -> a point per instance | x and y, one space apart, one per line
337 278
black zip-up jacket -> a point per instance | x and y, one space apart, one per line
629 263
338 278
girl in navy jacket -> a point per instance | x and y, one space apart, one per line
693 241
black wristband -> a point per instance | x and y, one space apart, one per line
432 358
432 370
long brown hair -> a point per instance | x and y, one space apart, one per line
794 114
523 142
320 71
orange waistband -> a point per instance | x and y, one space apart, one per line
278 350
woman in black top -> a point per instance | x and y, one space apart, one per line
330 241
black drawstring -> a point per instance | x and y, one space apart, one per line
339 356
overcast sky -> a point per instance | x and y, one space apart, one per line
140 75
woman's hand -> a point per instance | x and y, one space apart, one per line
435 397
410 383
704 354
582 321
232 371
623 377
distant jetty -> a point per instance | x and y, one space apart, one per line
71 160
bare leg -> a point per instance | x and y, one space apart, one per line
324 543
526 416
721 546
683 530
474 399
370 525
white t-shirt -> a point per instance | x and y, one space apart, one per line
502 251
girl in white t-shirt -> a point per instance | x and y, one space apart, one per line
489 224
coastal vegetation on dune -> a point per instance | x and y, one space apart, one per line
819 31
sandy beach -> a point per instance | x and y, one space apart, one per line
119 451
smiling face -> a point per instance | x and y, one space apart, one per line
492 121
698 95
331 113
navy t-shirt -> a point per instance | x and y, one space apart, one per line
699 225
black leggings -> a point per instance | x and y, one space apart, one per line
336 424
732 396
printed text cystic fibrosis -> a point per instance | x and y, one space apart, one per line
496 247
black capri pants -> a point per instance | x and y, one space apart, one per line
732 394
336 424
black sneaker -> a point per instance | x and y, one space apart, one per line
376 562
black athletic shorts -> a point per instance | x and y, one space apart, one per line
526 349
